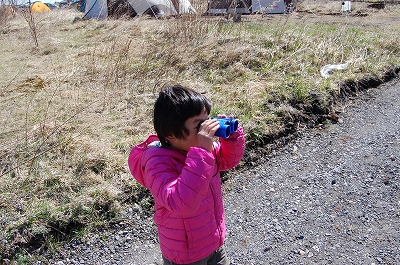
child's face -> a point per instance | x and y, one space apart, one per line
191 125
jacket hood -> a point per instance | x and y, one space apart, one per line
141 153
136 159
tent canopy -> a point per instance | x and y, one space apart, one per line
39 7
131 8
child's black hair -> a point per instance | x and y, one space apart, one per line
174 105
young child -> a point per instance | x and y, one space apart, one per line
180 166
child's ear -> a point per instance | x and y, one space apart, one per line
169 138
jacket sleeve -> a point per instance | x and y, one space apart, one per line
230 151
180 191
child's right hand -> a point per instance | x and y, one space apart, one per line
206 133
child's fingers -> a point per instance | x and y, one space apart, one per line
232 116
209 127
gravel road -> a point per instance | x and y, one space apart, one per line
331 196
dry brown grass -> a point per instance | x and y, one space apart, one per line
72 108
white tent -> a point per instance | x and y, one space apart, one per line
165 7
103 8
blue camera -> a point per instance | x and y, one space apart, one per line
226 127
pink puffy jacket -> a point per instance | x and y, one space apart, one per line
186 187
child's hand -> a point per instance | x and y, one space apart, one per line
206 133
225 116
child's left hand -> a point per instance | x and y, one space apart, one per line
225 116
206 133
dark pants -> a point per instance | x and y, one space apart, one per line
218 257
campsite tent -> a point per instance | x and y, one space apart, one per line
269 6
118 8
248 6
39 7
95 9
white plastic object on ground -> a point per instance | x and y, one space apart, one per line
325 69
